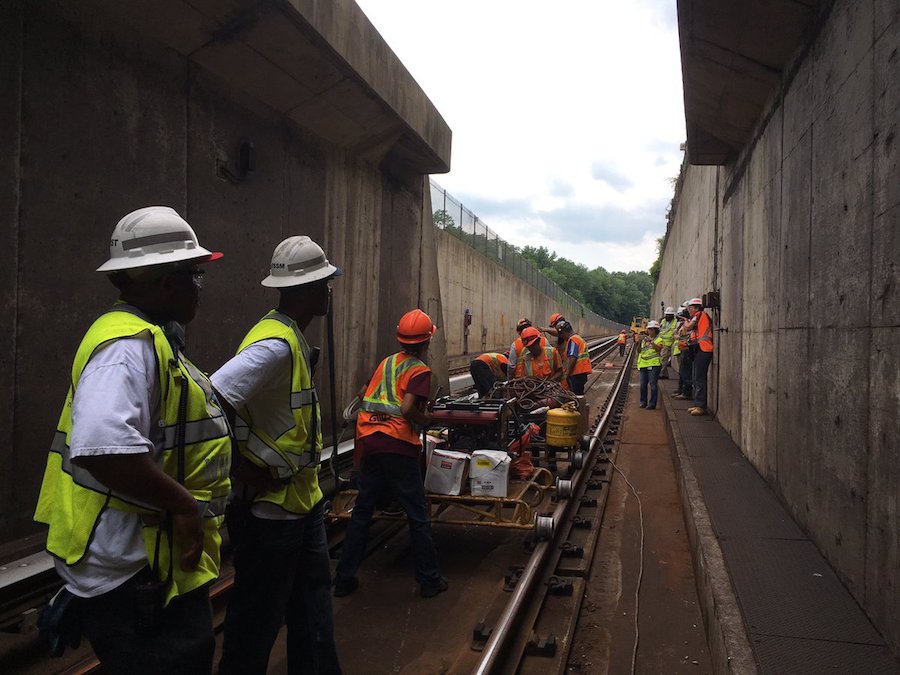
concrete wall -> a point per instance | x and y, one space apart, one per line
802 237
496 297
98 118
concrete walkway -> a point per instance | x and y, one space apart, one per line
771 602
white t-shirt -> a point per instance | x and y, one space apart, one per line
115 411
259 378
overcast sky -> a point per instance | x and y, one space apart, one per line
567 116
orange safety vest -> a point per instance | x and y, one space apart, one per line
542 365
583 364
702 333
380 408
622 339
495 360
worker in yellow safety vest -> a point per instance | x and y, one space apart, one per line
667 327
392 410
136 481
577 360
281 562
649 363
538 359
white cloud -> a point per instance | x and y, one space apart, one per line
541 97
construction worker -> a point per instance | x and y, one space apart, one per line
281 562
392 411
139 465
577 361
685 390
621 340
701 332
555 318
516 347
649 363
538 359
488 369
667 335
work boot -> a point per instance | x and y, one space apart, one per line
432 589
681 397
697 411
343 587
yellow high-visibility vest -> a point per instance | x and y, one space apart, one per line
71 499
294 455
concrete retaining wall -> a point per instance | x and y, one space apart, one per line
496 298
802 238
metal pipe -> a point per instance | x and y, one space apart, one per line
507 620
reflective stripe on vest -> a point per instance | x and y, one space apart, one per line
667 331
583 364
71 500
648 356
294 455
385 399
526 367
495 361
704 333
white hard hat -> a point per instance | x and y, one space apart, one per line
154 235
695 301
653 324
669 310
298 260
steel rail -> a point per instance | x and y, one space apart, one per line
496 644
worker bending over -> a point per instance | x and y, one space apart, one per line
392 411
281 562
577 360
486 370
139 465
538 359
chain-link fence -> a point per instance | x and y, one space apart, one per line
453 218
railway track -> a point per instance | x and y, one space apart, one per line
525 628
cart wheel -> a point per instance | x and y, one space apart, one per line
543 528
577 459
586 443
563 488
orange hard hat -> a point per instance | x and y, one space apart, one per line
529 335
556 316
415 327
523 324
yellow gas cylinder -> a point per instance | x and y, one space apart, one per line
562 426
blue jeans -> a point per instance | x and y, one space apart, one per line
649 376
685 372
282 575
702 360
402 476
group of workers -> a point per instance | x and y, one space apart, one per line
532 355
141 470
686 336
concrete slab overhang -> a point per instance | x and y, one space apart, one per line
733 53
320 63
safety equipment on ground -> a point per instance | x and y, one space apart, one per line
154 235
522 325
415 327
529 335
380 410
653 324
293 457
669 310
695 301
555 317
298 260
197 454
